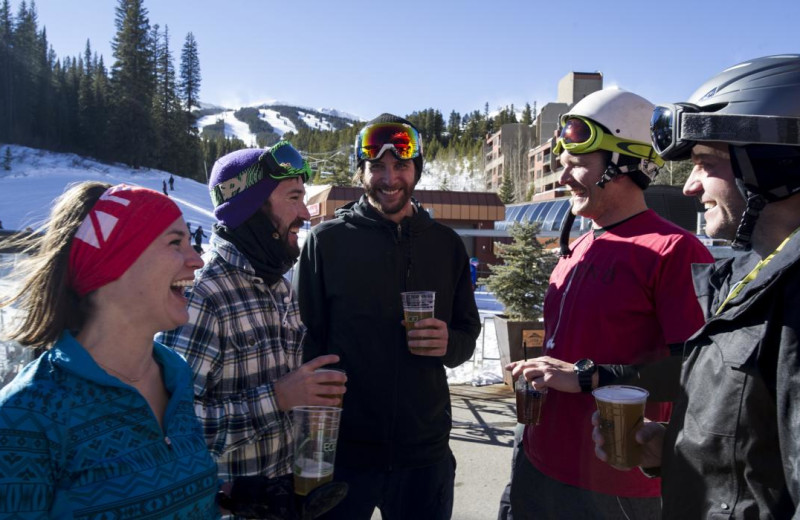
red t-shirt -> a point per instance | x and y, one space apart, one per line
620 298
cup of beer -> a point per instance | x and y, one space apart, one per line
417 305
621 410
316 430
338 397
529 401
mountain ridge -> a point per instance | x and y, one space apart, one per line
264 123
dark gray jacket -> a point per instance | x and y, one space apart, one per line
733 444
352 270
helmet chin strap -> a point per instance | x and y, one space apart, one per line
744 233
566 228
611 171
743 169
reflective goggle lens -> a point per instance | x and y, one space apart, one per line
662 128
576 131
402 139
578 136
284 161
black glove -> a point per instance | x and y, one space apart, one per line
274 498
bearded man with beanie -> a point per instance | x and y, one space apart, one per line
393 447
244 335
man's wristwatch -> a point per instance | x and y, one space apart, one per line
585 368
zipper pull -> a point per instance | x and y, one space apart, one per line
168 442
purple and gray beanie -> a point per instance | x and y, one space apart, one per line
235 211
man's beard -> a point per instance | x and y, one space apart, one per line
292 250
374 195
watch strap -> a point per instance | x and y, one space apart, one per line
585 381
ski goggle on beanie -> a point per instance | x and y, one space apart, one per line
281 161
120 226
375 139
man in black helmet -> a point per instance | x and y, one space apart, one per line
732 447
393 441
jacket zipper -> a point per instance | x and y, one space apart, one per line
404 285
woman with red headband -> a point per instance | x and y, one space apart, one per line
102 424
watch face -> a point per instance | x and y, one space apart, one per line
584 365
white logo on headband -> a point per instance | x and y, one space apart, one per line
111 198
99 221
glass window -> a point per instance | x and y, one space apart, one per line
557 214
512 212
541 210
529 210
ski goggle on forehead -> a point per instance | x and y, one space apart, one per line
279 162
677 127
579 135
403 140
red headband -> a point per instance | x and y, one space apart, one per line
117 230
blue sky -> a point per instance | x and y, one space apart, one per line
367 57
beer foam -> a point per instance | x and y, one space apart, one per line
309 468
620 394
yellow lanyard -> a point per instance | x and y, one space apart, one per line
737 288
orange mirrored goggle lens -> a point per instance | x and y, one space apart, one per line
403 140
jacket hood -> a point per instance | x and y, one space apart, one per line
362 213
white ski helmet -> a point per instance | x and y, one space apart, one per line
626 117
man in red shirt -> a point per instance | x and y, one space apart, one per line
620 299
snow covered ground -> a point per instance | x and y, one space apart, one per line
37 177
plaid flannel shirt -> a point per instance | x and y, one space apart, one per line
241 337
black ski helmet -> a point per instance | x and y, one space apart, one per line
767 86
754 107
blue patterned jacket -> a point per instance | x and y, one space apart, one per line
76 442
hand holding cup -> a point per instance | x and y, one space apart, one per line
333 379
650 436
426 335
304 386
619 422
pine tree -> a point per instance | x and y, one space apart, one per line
87 116
454 126
527 115
6 72
188 93
7 159
166 106
190 73
506 192
102 90
25 73
132 84
521 281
